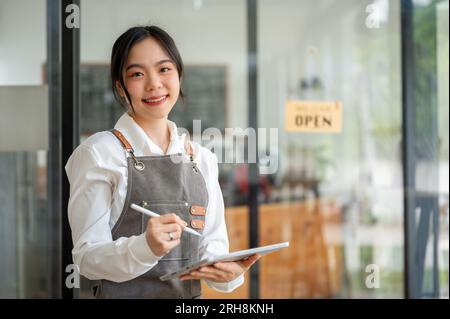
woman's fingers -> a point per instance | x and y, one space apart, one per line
209 273
247 263
161 244
215 271
169 223
171 219
243 264
222 271
203 275
163 233
174 229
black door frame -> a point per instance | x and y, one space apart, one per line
418 227
63 60
54 158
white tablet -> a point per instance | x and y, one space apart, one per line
234 256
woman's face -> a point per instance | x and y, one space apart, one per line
152 80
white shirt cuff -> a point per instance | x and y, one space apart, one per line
141 251
226 286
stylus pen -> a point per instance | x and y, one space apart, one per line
153 214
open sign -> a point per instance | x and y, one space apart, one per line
313 117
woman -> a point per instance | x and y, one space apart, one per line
142 161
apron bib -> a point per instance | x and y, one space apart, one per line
163 184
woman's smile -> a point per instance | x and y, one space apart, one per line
155 100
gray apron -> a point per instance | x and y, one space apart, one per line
164 186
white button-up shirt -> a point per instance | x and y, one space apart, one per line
98 175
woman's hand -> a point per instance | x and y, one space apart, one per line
222 271
163 233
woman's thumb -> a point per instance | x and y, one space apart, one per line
250 260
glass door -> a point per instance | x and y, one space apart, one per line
431 105
29 231
330 82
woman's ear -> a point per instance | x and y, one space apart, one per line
123 95
120 89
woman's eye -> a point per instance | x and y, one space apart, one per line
165 69
136 74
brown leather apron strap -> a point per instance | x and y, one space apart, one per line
129 149
126 145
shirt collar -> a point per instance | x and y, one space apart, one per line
142 144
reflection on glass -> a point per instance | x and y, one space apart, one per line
26 246
443 107
431 103
337 198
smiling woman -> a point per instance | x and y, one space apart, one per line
162 49
152 87
146 78
115 244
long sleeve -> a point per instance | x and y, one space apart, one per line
95 254
215 239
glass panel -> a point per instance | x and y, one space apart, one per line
25 245
337 197
431 103
443 106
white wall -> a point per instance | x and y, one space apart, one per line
22 41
